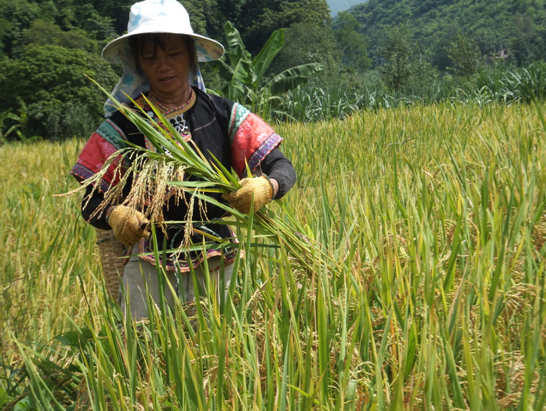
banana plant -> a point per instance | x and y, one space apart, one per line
3 117
244 76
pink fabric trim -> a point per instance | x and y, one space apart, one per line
248 139
95 153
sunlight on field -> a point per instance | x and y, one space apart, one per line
436 216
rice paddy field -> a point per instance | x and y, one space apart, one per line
432 296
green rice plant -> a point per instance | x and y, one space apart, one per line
495 84
155 171
527 83
434 216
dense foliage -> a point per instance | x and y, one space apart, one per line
490 85
50 84
47 47
518 26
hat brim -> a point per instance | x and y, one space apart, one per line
206 49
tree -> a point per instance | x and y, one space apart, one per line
116 10
205 17
51 82
528 39
5 27
96 26
404 67
514 24
307 43
17 15
42 33
260 18
398 55
351 42
440 53
465 55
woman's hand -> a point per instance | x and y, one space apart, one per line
261 188
129 225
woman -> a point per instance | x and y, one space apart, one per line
160 55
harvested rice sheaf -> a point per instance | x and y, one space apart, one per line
160 173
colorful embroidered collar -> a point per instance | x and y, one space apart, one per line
168 113
178 110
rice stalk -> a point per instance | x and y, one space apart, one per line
442 281
163 172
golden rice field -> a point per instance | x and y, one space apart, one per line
434 216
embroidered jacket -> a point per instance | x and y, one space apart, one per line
219 128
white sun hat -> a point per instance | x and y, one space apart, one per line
155 16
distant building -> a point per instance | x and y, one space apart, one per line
503 53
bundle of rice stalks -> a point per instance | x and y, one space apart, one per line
166 168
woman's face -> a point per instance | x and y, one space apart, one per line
167 69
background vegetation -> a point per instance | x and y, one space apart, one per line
517 26
397 51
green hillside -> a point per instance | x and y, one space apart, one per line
516 25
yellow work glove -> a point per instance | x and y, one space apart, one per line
241 199
129 225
